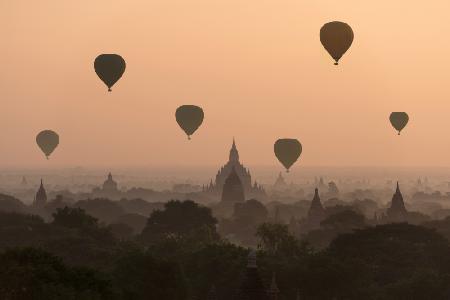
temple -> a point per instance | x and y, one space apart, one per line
397 211
110 185
233 189
109 189
280 183
252 287
216 187
316 214
41 197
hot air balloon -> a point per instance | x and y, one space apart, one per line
336 37
47 140
399 120
109 67
189 117
287 151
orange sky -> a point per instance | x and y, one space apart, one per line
256 67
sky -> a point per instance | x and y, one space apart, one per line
257 68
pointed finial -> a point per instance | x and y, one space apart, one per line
212 294
273 285
251 262
398 188
42 184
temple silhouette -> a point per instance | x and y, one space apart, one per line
233 189
40 200
109 189
316 214
396 212
251 190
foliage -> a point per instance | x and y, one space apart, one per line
181 221
73 218
35 274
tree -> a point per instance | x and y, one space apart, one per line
121 231
181 221
343 221
11 204
241 228
396 257
104 210
251 212
73 218
275 239
138 275
30 273
220 265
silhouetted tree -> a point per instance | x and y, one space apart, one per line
181 221
276 239
35 274
104 210
138 275
73 218
343 221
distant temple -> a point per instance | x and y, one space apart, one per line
254 190
252 287
233 189
212 294
24 181
280 183
109 189
273 292
316 214
41 197
110 185
397 211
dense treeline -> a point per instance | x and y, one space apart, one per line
180 255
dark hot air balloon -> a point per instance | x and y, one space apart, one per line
47 140
336 37
399 120
287 151
109 67
189 117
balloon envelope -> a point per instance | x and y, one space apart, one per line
336 37
109 67
287 151
47 140
189 117
399 120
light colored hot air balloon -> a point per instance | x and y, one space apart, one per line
336 37
399 120
189 117
287 151
110 68
47 140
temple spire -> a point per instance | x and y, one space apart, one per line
273 291
251 261
316 207
397 211
212 294
234 154
41 196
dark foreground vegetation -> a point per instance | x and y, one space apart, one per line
180 255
